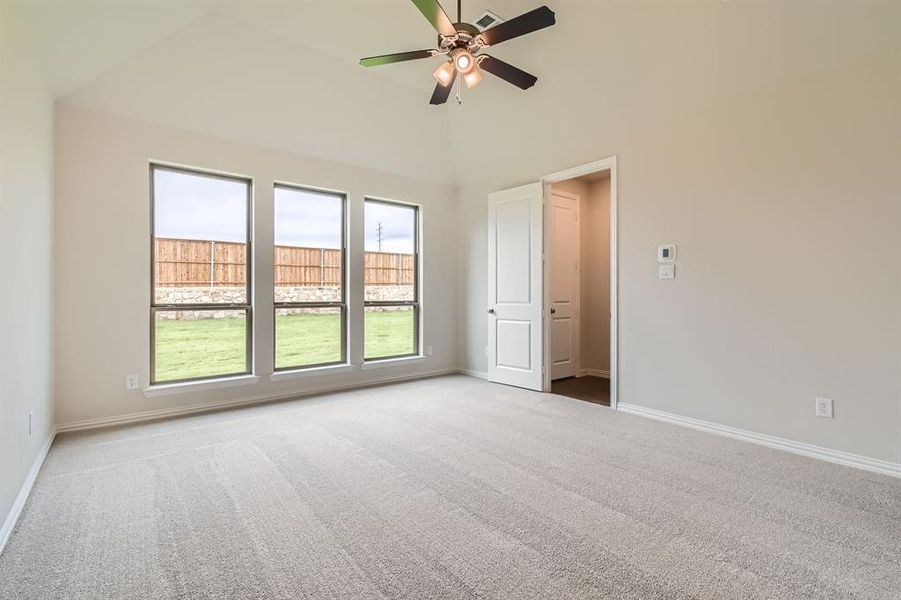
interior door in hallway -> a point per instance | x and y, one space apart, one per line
564 244
515 282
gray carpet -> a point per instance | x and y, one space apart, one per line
446 488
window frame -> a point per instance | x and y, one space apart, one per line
341 304
416 302
246 306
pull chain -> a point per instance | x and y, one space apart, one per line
459 87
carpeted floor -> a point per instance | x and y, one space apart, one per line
445 488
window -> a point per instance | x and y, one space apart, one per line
391 280
200 312
309 255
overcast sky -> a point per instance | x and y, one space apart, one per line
307 219
207 208
397 224
199 208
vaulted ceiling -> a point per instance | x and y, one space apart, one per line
285 74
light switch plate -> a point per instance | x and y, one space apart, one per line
666 271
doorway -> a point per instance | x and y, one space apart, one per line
580 282
521 313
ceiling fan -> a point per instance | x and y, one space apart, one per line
462 44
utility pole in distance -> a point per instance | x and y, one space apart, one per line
378 231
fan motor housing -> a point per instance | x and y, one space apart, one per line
467 28
466 32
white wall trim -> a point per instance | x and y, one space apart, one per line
16 510
474 373
866 463
579 171
594 373
152 415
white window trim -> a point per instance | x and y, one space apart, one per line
393 362
169 389
302 372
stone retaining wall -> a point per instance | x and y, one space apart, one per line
235 295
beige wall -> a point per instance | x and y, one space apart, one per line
595 276
784 202
26 285
103 295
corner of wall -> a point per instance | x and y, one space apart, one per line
26 263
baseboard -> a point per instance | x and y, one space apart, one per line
594 373
473 373
154 415
16 510
866 463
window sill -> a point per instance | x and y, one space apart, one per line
310 372
393 362
168 389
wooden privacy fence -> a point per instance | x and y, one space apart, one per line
386 268
307 266
196 263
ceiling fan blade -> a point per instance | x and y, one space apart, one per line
507 72
432 11
442 92
525 23
387 59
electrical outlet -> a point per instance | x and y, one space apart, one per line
132 382
429 350
30 421
824 407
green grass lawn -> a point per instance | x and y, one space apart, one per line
188 349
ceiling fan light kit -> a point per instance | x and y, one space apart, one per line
473 78
462 43
463 60
445 73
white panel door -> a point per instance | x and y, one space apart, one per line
515 286
563 253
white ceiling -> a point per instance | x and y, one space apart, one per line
285 74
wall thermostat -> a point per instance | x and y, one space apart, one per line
666 253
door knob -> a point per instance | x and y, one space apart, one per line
490 311
553 311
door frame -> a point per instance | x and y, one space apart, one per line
606 164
